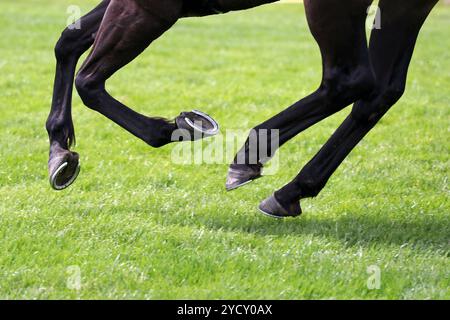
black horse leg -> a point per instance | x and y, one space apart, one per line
391 49
339 30
63 164
128 28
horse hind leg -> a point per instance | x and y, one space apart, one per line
63 164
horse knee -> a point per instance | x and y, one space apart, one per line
62 48
89 90
373 109
342 88
393 93
67 45
73 43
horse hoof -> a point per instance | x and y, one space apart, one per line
272 208
63 170
198 124
242 174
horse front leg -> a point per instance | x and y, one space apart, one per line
127 29
63 164
347 76
391 49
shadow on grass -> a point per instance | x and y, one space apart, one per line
352 229
425 233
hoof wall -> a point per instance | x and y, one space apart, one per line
63 171
240 175
272 208
198 124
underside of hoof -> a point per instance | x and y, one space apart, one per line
198 124
63 170
242 174
272 208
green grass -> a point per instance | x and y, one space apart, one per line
139 226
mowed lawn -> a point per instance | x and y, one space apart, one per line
137 225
